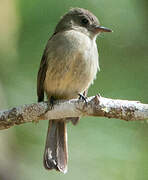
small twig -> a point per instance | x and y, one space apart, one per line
95 106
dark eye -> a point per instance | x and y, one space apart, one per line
84 21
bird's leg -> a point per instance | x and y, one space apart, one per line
50 103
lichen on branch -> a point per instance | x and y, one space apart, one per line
95 106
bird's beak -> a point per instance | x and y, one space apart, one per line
102 29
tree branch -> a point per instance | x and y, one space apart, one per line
96 106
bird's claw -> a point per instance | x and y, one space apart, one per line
82 97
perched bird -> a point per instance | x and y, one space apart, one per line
68 67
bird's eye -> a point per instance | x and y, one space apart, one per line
84 21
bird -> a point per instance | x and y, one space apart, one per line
68 67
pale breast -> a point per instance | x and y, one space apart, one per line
72 64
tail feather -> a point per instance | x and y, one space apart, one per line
56 155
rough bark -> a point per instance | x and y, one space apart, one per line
95 106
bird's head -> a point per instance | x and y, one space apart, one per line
82 20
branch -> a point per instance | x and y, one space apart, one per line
96 106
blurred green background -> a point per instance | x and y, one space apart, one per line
105 149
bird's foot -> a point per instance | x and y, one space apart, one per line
50 104
82 97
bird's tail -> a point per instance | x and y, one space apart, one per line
56 154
